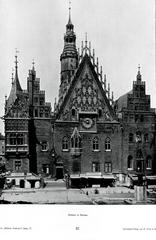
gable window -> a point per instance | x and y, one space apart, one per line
44 146
108 144
149 162
108 167
95 167
95 144
130 162
131 137
65 145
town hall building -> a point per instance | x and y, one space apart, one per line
87 132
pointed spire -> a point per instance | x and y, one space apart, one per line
69 26
69 21
139 75
16 65
16 80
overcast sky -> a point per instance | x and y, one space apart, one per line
121 31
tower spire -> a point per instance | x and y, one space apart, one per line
16 64
139 75
33 65
16 80
69 22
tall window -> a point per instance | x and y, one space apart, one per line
146 137
18 165
20 139
108 167
130 162
65 145
95 144
131 137
149 162
138 136
13 139
108 144
95 167
100 113
73 112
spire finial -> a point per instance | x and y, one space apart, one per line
16 62
139 67
33 65
69 11
139 75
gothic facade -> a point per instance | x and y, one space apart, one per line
88 132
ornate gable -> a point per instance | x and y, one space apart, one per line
85 95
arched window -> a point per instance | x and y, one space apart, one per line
95 144
131 137
108 144
130 162
65 145
138 136
76 139
73 112
148 162
146 139
44 146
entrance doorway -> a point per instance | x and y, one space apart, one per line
22 183
59 172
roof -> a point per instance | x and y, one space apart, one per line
122 101
15 91
86 60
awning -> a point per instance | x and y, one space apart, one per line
108 176
151 177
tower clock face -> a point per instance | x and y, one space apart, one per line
87 123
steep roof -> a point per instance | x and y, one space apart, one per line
15 89
121 102
85 60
